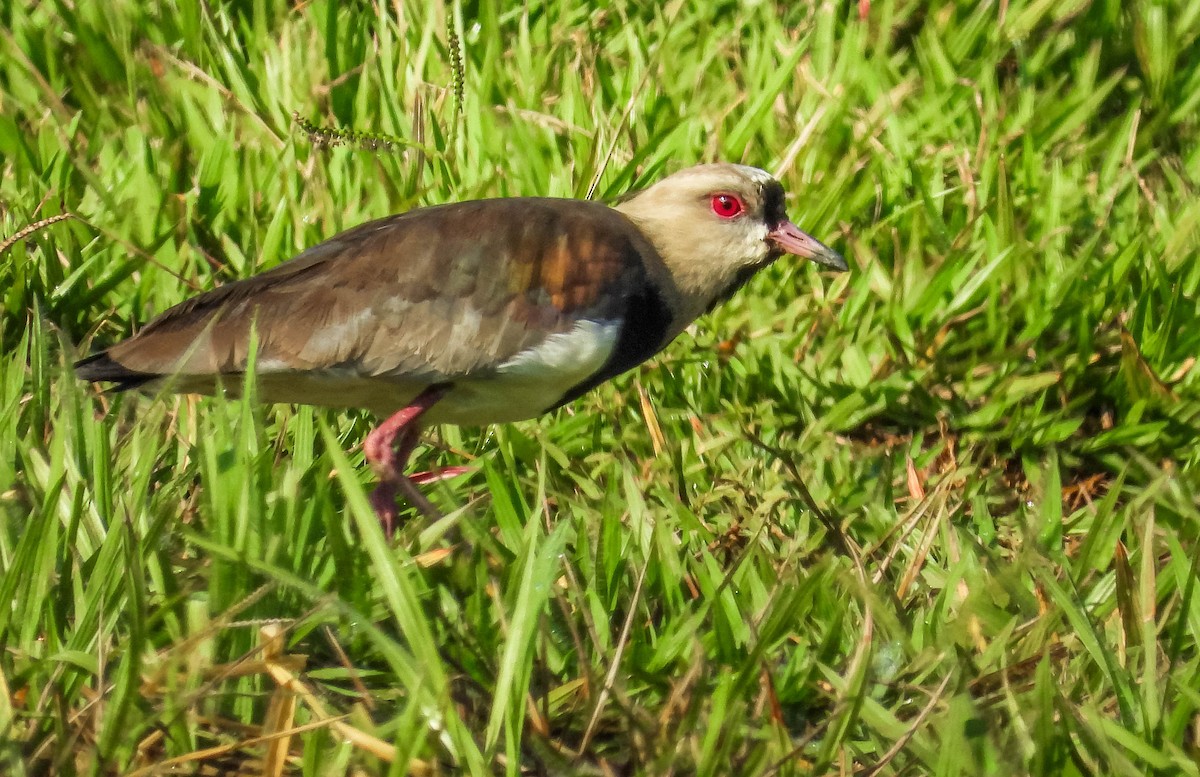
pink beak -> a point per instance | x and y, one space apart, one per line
788 238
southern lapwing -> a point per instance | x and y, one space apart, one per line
472 313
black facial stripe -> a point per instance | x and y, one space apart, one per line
773 207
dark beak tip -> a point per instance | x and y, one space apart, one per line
834 261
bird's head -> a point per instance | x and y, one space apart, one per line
716 225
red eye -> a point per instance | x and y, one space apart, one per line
726 205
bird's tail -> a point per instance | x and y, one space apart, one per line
102 367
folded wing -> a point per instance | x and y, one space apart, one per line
427 296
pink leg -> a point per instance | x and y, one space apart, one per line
387 449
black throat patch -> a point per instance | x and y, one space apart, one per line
643 334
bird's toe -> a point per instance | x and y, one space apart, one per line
435 475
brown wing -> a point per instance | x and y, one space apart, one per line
429 295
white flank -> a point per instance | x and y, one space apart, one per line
566 358
523 387
532 381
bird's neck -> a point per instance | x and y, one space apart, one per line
692 282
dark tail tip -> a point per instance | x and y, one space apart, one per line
102 367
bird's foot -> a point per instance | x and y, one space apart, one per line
414 497
383 498
436 475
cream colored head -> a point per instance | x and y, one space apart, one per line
716 225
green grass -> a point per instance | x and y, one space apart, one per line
938 515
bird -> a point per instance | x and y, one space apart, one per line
470 313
